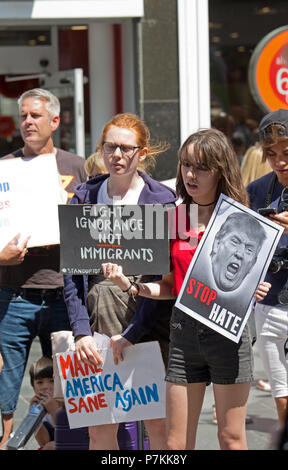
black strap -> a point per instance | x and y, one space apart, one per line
270 190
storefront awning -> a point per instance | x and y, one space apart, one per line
69 9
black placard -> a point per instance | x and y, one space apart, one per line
134 236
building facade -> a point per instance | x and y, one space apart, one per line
180 64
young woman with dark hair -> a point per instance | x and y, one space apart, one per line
198 355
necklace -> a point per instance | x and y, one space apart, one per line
204 205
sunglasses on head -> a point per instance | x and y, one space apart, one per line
273 128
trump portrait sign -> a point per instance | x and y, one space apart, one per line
231 259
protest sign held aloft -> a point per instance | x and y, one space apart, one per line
134 236
24 203
231 260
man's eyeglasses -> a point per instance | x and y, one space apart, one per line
126 150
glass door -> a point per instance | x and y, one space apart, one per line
68 87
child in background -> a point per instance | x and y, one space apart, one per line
41 377
253 166
94 165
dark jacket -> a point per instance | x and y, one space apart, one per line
257 191
75 287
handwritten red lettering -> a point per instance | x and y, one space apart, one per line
98 401
4 205
92 368
92 403
66 364
82 404
71 401
75 367
102 402
78 367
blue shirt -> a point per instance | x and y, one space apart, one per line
257 191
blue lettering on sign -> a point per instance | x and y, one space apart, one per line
93 384
142 396
4 187
125 399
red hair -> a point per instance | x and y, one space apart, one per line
134 123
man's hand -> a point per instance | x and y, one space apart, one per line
14 253
118 343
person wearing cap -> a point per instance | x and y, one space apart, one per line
271 316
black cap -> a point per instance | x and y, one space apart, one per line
276 117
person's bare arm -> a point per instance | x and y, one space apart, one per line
159 290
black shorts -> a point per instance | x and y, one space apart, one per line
199 354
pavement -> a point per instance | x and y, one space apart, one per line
261 408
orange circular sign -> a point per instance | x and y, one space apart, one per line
268 71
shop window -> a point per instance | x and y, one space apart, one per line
15 37
236 27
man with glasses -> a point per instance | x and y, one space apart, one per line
31 292
271 317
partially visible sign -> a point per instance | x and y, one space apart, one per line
268 71
135 237
131 391
30 191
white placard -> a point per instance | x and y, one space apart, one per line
133 390
30 191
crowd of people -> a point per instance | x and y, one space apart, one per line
36 300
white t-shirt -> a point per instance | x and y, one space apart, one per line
131 197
